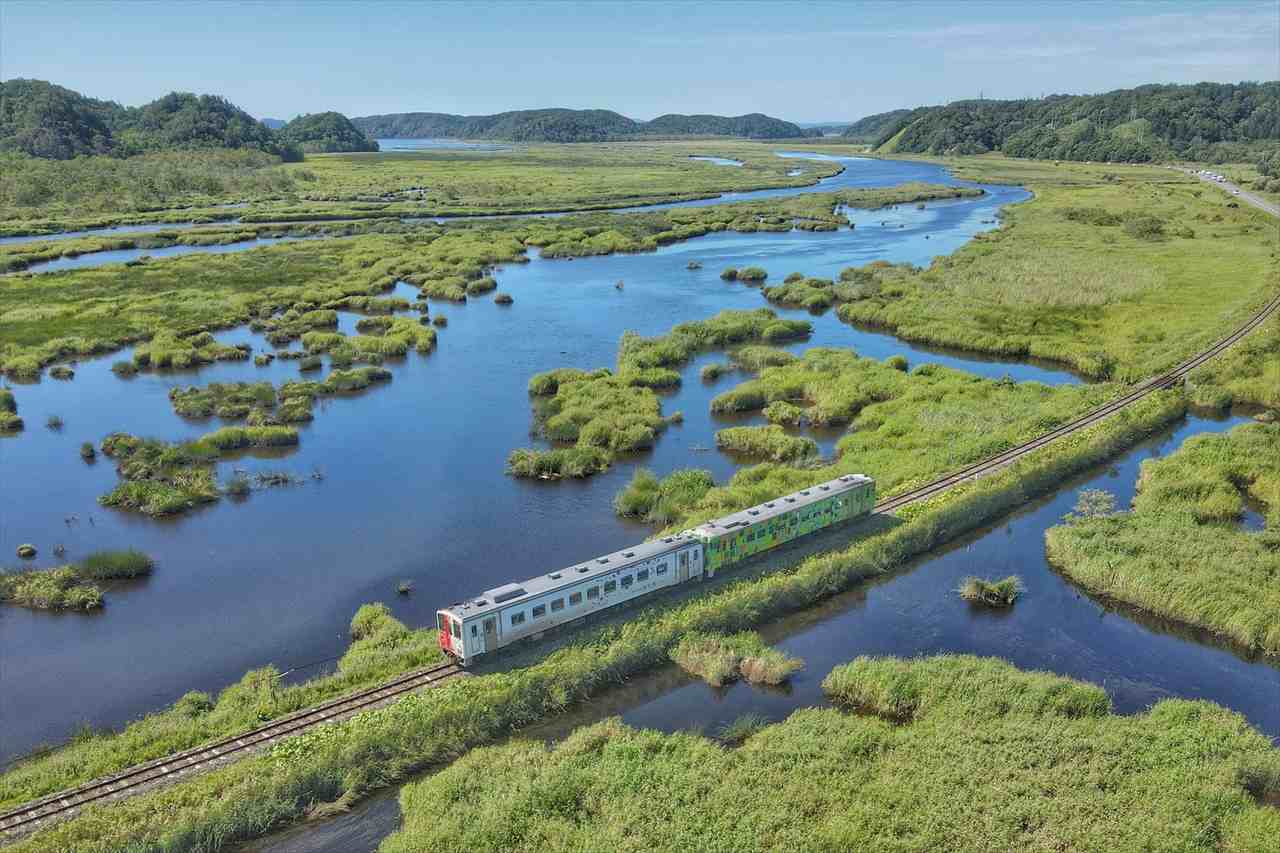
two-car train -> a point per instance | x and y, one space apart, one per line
501 616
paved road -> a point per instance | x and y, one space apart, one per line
1238 192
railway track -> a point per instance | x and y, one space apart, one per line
994 463
39 813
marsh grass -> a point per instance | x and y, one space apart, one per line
827 779
72 587
9 420
736 733
1001 593
1181 553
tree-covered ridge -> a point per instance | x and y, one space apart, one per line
51 122
45 120
325 133
869 128
1204 121
564 125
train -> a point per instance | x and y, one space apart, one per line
517 611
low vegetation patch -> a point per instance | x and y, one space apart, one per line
719 660
1181 553
770 443
824 779
72 587
9 420
1001 593
663 501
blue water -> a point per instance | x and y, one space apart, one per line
438 144
120 256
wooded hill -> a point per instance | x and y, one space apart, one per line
564 125
44 120
1205 121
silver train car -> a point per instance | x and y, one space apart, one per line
507 614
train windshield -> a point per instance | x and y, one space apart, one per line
442 621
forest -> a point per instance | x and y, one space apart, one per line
43 120
1213 122
563 125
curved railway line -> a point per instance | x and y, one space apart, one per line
40 813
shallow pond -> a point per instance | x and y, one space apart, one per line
916 611
413 483
719 161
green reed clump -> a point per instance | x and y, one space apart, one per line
548 382
169 350
729 273
719 659
556 463
1181 552
481 285
504 299
356 379
231 401
735 733
835 384
60 588
662 501
9 420
373 325
62 371
124 369
1001 593
712 372
723 330
784 414
752 274
771 443
238 438
759 357
111 565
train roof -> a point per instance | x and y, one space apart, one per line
779 506
493 600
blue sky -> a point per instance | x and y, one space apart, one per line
800 61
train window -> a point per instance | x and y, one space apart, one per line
684 560
457 628
517 618
593 592
610 586
662 569
557 604
626 581
539 611
575 598
473 631
440 621
642 575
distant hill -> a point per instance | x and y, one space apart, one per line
564 125
325 133
44 120
1204 121
868 128
273 123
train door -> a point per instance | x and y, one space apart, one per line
682 567
490 635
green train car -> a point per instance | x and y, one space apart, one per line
752 531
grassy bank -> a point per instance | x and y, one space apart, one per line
1181 552
345 761
1072 776
1119 271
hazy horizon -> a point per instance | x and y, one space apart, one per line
807 63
